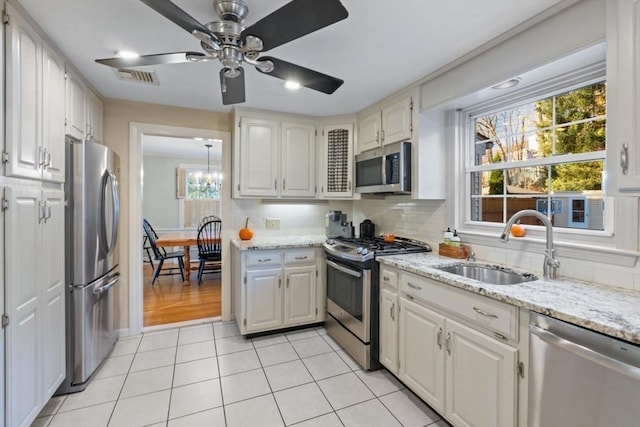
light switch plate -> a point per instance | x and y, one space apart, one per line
273 223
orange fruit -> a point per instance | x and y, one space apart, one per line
246 233
517 230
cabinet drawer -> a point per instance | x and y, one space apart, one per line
388 277
481 311
299 256
264 258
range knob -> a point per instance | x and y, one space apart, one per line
331 242
364 251
359 249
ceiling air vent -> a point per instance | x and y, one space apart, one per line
138 76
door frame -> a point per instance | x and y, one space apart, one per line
137 131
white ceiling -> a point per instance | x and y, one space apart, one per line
193 148
383 46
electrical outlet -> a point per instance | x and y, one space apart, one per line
273 223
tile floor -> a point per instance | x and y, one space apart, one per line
208 375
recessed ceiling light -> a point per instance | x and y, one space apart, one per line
198 139
126 54
507 84
292 85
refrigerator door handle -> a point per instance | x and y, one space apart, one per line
111 281
110 181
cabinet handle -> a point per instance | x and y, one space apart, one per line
385 278
47 210
287 282
264 259
275 184
382 137
449 343
41 157
624 158
392 312
301 257
283 184
378 136
349 187
279 282
484 313
411 285
47 155
41 214
439 338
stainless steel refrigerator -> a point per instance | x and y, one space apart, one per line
92 216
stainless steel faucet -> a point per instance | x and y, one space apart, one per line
550 262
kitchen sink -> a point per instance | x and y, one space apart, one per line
492 274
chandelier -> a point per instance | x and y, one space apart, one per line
209 184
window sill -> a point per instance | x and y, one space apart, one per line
581 251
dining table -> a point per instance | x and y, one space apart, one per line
184 238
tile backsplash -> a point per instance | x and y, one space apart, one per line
418 219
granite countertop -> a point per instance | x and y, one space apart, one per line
611 311
279 242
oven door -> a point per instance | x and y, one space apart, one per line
348 297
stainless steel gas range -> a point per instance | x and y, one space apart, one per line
353 292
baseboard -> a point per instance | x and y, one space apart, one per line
182 324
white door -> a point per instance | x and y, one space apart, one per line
481 379
298 172
53 288
23 97
259 140
389 330
23 302
623 97
53 105
421 354
75 106
300 295
369 135
337 162
263 299
396 121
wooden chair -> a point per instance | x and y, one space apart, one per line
209 247
160 254
147 248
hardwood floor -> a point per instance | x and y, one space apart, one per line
169 300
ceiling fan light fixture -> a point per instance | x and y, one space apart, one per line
507 84
292 85
126 54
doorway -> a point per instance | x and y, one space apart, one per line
139 132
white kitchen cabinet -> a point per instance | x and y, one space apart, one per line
35 101
457 351
298 160
276 158
623 97
75 108
35 357
336 169
389 309
481 386
274 289
93 126
392 124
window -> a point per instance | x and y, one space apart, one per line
201 194
201 185
544 153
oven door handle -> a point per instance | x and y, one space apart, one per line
344 269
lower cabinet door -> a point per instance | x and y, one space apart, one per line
481 379
389 330
300 295
421 352
263 301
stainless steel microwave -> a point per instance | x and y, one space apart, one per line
385 169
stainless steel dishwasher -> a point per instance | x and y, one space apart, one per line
580 378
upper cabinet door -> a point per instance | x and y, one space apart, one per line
623 97
370 132
53 104
396 121
23 97
259 140
298 170
75 106
337 156
94 117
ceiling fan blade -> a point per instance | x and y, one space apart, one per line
156 59
308 78
232 87
294 20
178 16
